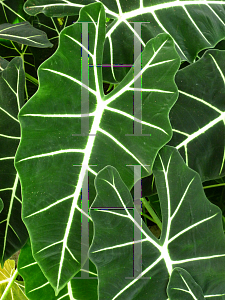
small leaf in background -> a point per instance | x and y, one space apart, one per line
3 64
7 274
13 233
52 29
24 33
54 8
197 117
11 11
182 286
192 235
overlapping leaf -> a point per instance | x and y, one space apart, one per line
52 27
198 116
55 155
19 33
192 237
194 25
182 286
7 276
37 286
24 33
13 233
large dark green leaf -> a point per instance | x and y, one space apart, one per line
194 25
13 233
192 236
55 155
197 117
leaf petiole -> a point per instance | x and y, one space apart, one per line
152 213
146 216
212 186
31 78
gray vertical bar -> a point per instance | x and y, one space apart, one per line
84 228
137 83
85 132
85 81
137 217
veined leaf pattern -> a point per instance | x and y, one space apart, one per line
197 117
54 154
183 286
37 286
194 25
24 33
192 236
13 233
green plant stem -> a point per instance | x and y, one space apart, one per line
66 19
152 213
15 48
212 186
13 11
9 285
25 86
31 78
55 26
146 216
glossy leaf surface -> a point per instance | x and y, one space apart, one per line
192 236
37 286
55 152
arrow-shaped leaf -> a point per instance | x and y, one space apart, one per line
56 151
192 236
